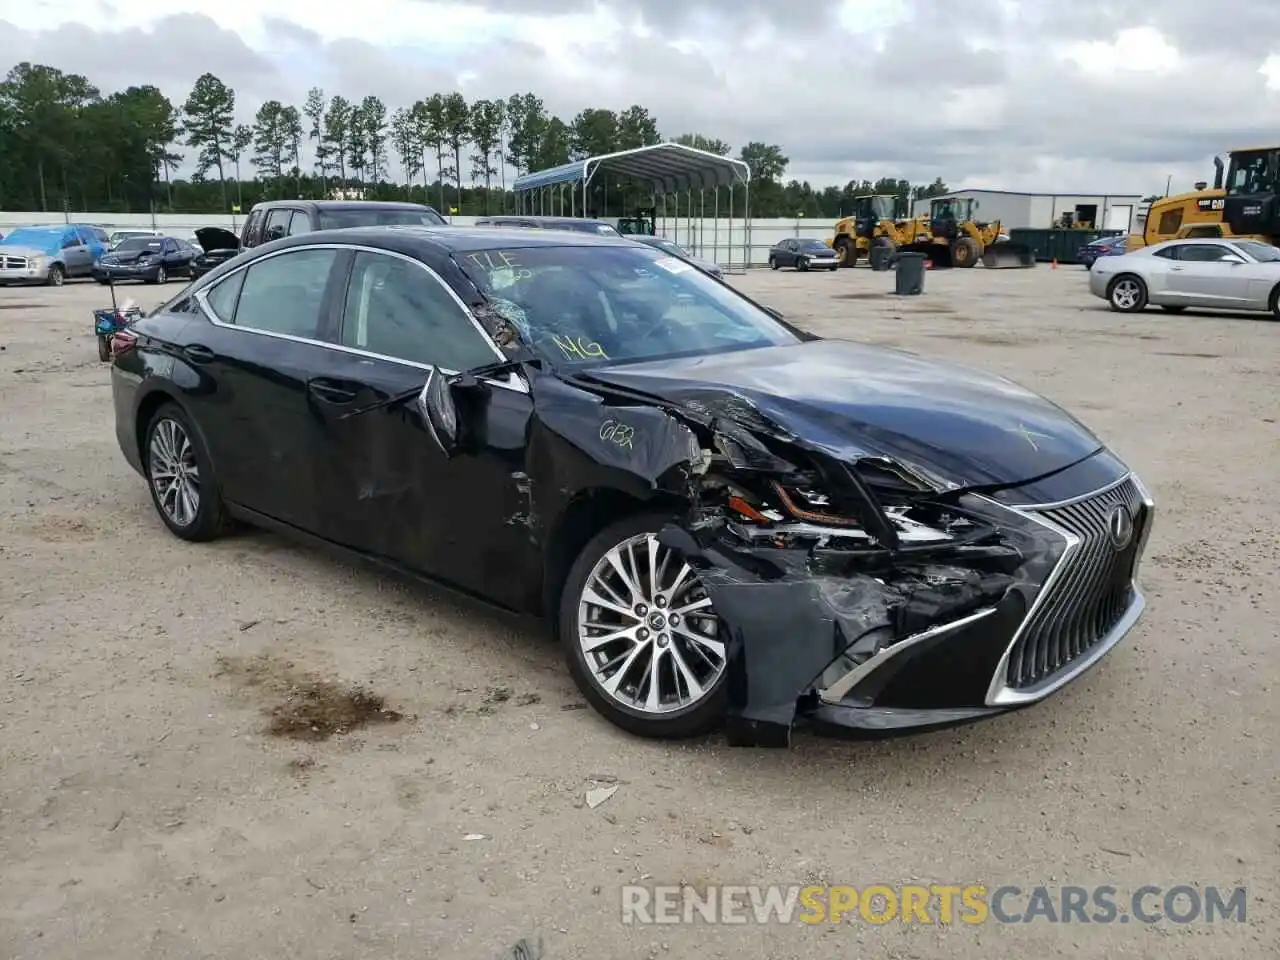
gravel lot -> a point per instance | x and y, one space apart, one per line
147 811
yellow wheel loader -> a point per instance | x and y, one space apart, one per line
876 221
953 237
1247 207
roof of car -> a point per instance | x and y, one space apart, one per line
520 217
416 239
343 204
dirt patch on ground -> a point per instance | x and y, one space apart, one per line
302 707
986 339
59 528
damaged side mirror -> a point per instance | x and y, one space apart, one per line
453 410
439 412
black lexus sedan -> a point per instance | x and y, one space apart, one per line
726 519
149 259
803 255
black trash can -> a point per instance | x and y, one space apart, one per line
910 277
880 257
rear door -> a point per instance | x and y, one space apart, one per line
77 258
388 488
266 332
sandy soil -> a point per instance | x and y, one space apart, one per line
249 750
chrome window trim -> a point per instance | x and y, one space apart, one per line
513 382
999 693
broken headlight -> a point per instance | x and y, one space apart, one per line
802 511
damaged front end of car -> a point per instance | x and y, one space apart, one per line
857 593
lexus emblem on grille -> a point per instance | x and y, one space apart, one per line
1120 526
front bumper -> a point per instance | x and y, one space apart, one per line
25 274
856 646
125 271
820 263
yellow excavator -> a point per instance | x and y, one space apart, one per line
1247 205
955 237
877 220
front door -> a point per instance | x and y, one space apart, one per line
388 488
268 323
1208 275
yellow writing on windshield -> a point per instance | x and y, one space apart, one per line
579 348
494 260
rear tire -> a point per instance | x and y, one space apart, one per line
180 476
702 711
773 263
1127 294
104 348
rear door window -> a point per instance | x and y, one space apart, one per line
285 294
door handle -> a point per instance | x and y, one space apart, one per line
1175 269
331 392
197 353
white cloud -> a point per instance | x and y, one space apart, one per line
1020 94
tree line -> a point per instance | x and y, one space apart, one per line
64 145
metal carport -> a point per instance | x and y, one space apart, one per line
668 169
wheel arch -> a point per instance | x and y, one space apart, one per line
1111 284
585 515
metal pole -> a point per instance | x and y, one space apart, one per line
715 242
729 241
702 223
746 229
688 216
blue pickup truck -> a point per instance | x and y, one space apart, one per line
50 254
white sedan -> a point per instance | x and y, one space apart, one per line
1218 274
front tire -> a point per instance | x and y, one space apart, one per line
847 251
180 476
1127 294
56 276
641 636
161 276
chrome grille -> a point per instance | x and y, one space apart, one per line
13 263
1091 591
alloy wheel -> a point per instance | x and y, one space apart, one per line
647 629
1125 294
161 276
174 474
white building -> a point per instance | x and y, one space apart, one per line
1044 210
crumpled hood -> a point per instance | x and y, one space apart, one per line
127 256
958 426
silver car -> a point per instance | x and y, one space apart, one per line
1223 274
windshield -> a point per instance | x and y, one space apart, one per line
1252 173
813 245
584 305
138 243
670 247
121 235
1262 252
375 217
32 238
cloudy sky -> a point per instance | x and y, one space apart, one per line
1088 96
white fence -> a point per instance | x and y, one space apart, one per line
720 240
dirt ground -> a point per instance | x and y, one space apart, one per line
246 749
